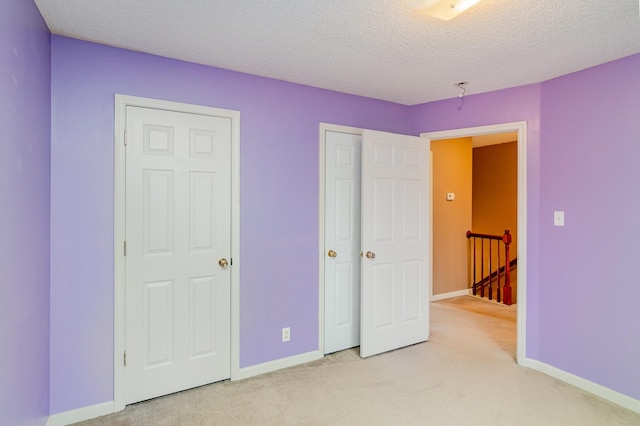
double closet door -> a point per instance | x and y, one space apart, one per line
377 243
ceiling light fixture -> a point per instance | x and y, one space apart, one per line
442 9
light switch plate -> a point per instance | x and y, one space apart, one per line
451 196
558 218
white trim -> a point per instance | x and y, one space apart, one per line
81 414
521 128
235 243
278 364
430 229
98 410
121 103
584 384
451 294
324 128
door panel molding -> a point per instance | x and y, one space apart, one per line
121 104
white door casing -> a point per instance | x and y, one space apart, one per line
396 265
342 240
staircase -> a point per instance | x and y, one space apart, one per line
491 266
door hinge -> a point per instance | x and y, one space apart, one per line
125 138
125 248
125 358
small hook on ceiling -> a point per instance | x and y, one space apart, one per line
461 85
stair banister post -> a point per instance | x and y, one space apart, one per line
473 286
506 239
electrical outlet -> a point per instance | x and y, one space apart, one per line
286 334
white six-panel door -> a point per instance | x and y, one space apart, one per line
178 207
342 240
395 240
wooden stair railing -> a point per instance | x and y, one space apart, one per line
486 281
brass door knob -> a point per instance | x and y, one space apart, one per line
371 255
332 253
223 263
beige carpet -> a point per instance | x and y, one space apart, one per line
465 375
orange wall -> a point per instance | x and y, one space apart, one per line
452 172
495 191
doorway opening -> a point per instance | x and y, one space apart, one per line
520 131
474 189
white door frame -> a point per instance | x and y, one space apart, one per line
121 103
521 128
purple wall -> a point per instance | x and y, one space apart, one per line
581 313
590 269
279 202
502 106
583 152
24 214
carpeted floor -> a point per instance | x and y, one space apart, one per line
465 375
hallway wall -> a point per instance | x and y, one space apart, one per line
495 191
495 200
452 172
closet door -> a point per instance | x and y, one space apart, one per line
178 276
395 226
342 240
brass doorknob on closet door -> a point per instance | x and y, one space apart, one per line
332 253
371 255
223 262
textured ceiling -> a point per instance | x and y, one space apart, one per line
375 48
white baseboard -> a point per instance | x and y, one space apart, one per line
584 384
442 296
278 364
93 411
81 414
